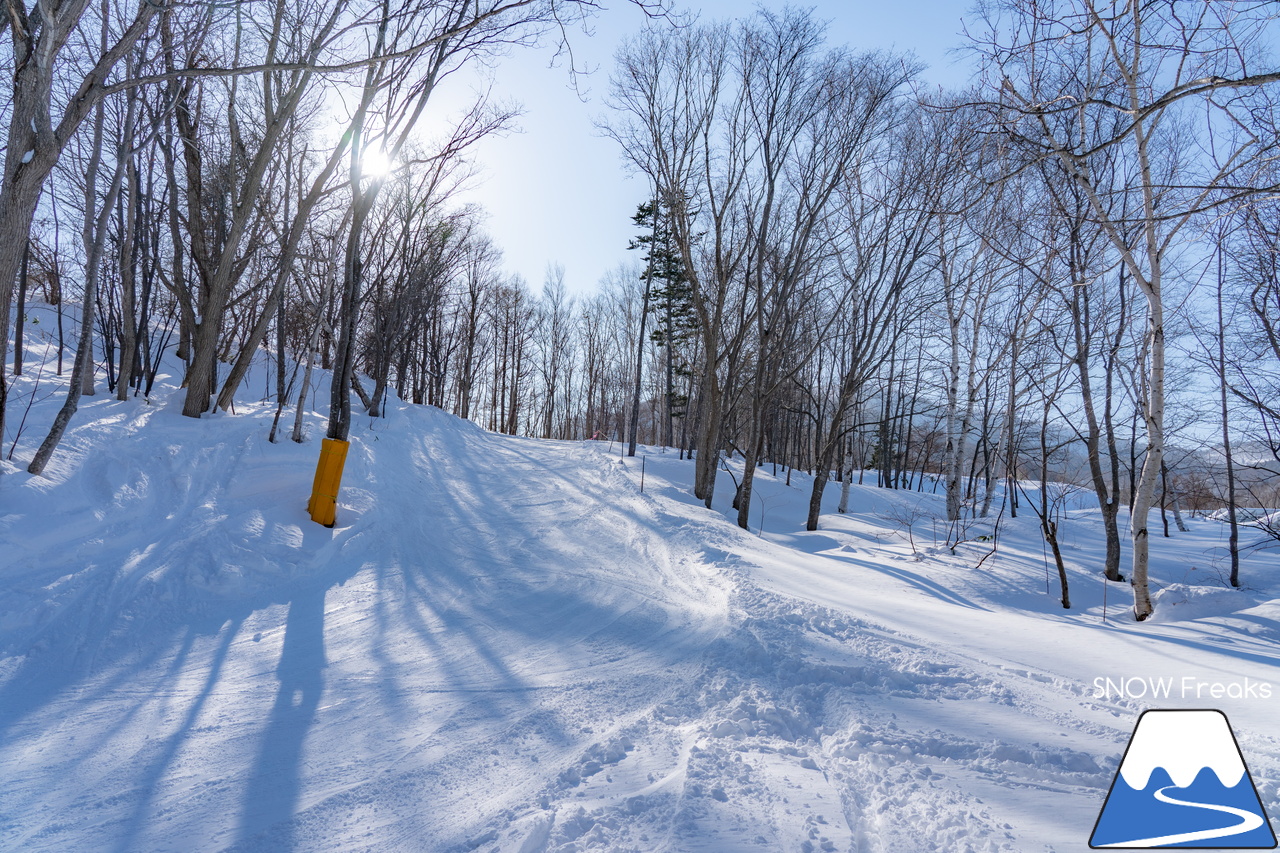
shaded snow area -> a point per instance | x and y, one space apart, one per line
504 645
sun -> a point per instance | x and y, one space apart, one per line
374 163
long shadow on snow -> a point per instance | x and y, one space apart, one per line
819 545
274 787
427 588
472 567
496 611
90 652
276 773
1214 645
153 774
83 637
485 568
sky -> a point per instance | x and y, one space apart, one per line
558 192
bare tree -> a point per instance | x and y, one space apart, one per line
412 50
97 216
554 339
1058 245
480 277
747 132
222 255
885 259
811 115
1057 73
40 36
511 314
678 123
973 274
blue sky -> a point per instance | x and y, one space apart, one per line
558 192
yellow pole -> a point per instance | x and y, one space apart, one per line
323 505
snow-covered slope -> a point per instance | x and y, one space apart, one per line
505 645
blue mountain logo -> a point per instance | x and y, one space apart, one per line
1183 783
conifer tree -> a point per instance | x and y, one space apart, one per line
670 299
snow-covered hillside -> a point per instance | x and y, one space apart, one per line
505 645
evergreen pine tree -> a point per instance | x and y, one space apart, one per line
669 297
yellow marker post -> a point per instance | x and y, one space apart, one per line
323 505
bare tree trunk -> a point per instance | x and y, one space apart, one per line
750 460
1233 535
1153 414
954 455
826 454
128 263
1108 500
34 143
1164 499
1047 525
707 460
644 317
23 277
1011 436
1153 405
95 235
1176 506
302 397
989 454
845 487
353 273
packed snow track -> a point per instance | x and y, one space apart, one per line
504 645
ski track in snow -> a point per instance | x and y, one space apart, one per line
501 646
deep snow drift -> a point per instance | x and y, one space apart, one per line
504 645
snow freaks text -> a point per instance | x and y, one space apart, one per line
1186 687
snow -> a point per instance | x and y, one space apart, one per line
504 645
1244 514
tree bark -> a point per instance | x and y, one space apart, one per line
128 263
34 144
23 277
96 235
639 373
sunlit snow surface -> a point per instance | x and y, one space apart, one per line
504 645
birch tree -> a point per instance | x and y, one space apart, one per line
1171 74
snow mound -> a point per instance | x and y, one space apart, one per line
1182 602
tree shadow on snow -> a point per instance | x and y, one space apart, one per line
497 580
273 789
